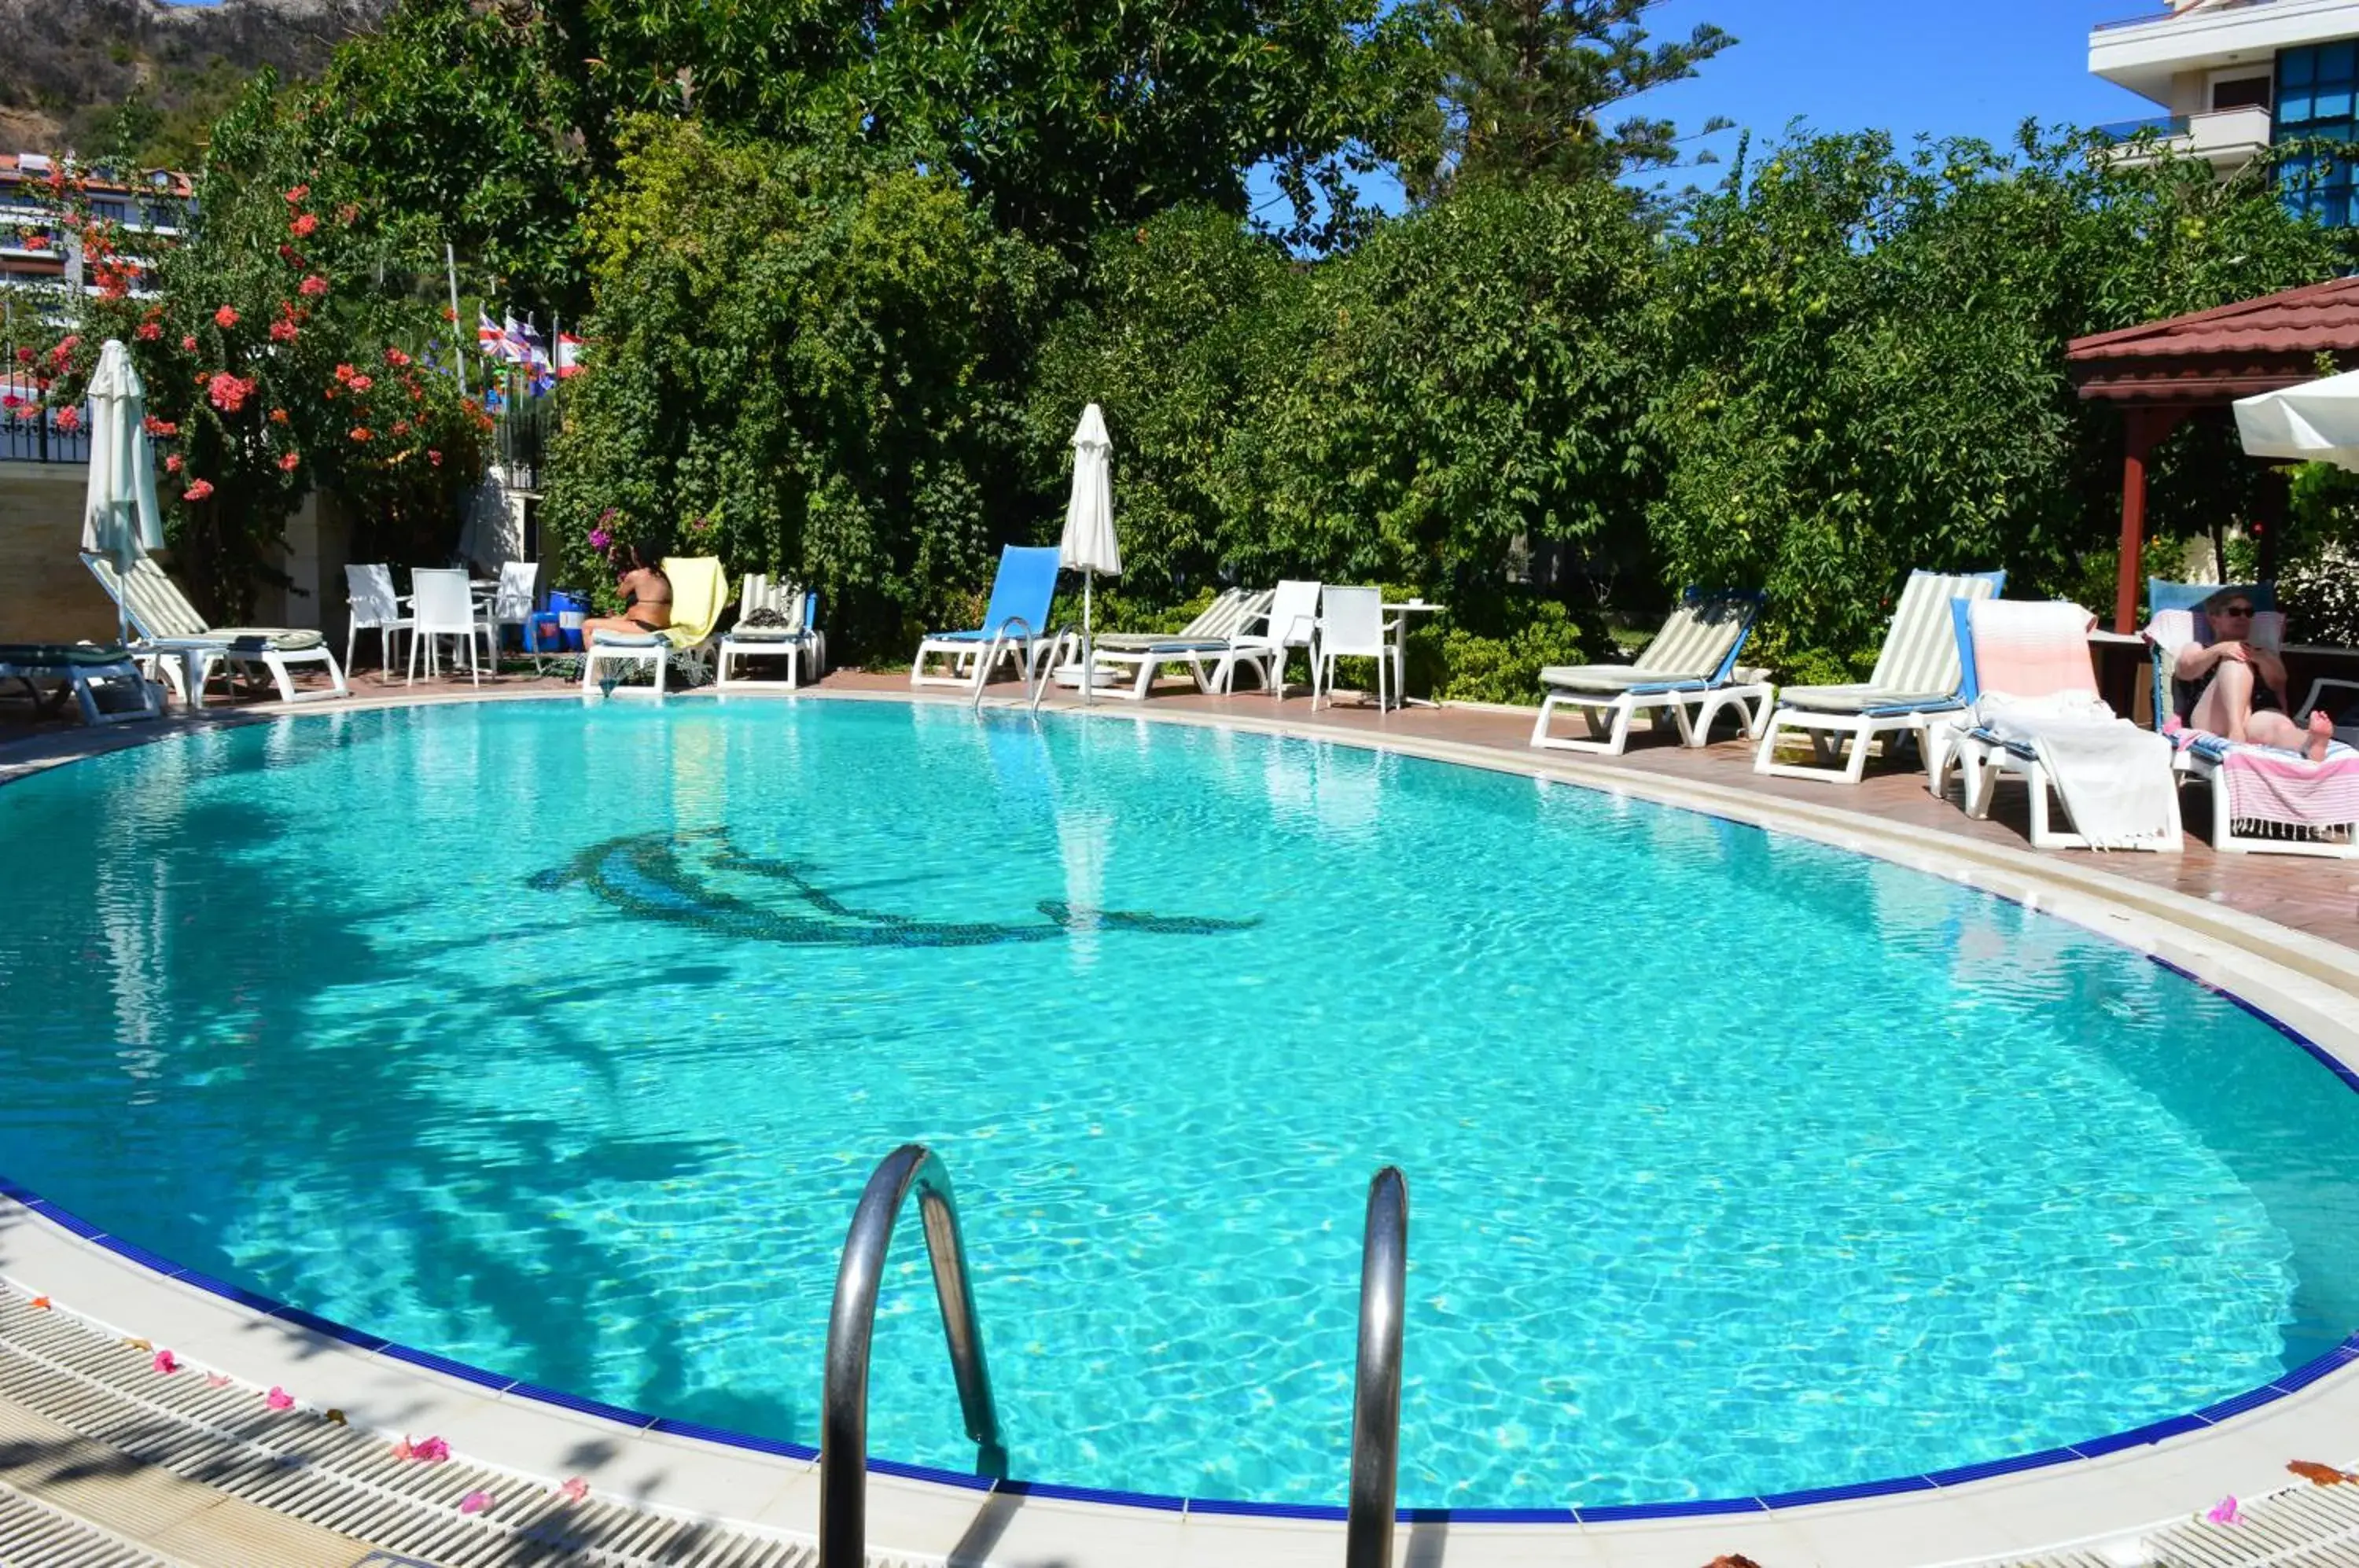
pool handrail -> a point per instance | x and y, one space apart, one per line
851 1332
1376 1383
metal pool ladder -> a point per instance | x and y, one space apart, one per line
850 1329
1377 1387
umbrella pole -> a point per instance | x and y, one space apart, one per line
1089 654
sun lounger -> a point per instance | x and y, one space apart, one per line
81 672
1205 645
1692 660
700 591
2034 715
1917 679
794 637
174 636
1016 625
2264 799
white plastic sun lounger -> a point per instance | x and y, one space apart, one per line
1692 660
1205 645
1917 679
174 635
794 639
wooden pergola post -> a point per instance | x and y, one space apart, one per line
2146 425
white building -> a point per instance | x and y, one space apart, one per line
2235 77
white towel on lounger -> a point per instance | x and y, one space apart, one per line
2114 778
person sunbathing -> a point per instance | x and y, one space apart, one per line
649 591
2237 689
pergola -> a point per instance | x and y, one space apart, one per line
2160 372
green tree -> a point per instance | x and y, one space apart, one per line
1866 368
806 362
1518 90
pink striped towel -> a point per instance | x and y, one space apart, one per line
2026 649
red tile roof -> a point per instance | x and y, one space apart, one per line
2217 356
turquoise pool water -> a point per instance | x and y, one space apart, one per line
560 1041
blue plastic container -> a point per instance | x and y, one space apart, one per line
571 610
543 633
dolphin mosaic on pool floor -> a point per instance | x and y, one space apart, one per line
677 877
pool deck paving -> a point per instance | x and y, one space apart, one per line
2278 930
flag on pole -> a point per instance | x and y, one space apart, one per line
515 347
488 337
569 356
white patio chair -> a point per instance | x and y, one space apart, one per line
512 604
1291 622
443 606
1350 625
375 608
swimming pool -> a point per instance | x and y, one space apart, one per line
561 1041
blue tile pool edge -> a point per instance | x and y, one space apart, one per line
2209 1416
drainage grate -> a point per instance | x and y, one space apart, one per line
299 1464
34 1535
2301 1527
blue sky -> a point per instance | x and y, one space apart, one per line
1949 67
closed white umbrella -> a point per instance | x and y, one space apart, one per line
2317 421
1089 544
118 517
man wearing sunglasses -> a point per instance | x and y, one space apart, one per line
2237 690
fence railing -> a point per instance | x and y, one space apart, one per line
2161 125
520 442
41 438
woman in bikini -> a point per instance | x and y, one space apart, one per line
2236 689
649 591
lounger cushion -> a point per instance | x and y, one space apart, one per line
764 633
605 638
278 639
1862 699
1605 679
60 656
1138 642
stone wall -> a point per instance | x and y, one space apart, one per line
46 594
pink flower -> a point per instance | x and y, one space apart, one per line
189 342
165 1363
433 457
172 464
395 357
198 490
362 382
2224 1511
312 287
575 1490
344 372
70 419
600 539
288 461
283 331
303 224
150 331
426 1450
228 392
278 1399
474 1502
224 318
216 1379
362 433
156 427
297 194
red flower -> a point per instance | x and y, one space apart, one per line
189 345
150 331
396 358
290 255
303 224
298 194
224 318
172 464
433 457
329 393
198 490
401 427
36 241
70 419
24 356
448 314
228 393
287 462
344 372
156 427
361 433
312 287
362 383
283 331
9 400
278 415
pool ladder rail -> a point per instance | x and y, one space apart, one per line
851 1334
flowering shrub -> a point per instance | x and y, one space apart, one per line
239 352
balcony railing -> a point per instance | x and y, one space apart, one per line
2161 125
2153 16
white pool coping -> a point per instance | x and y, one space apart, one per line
2307 982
